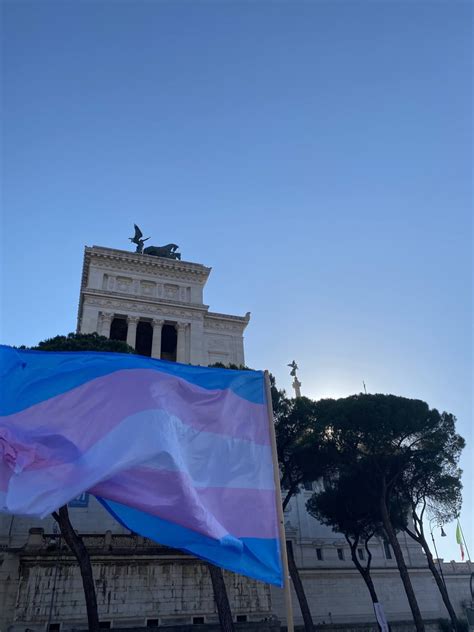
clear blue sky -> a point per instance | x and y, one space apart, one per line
316 155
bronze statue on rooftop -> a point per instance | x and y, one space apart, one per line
168 251
138 239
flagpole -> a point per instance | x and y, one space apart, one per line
281 523
464 539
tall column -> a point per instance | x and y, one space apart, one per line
156 342
181 344
196 343
132 322
105 322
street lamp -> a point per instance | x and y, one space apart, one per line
443 535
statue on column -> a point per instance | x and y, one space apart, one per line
168 251
296 383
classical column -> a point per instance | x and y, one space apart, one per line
132 322
156 342
181 344
297 386
105 322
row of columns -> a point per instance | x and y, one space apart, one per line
157 325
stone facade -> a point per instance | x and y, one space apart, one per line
138 288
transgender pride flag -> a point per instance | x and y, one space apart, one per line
177 453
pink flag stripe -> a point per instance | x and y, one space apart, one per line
212 511
150 438
99 405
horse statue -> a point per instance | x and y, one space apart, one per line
168 251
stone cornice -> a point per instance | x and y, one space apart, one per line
147 264
216 321
241 319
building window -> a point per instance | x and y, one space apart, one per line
360 553
387 550
308 486
319 554
152 623
241 618
340 554
198 620
105 625
54 627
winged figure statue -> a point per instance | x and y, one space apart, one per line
138 239
294 368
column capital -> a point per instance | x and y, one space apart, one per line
157 322
107 316
181 326
133 320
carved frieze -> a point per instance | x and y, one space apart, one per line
126 307
148 270
123 284
147 288
171 291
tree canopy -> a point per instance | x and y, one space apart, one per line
409 454
83 342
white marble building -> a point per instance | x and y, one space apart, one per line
156 304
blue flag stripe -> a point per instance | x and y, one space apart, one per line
30 373
255 557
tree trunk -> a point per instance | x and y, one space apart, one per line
221 598
289 495
364 571
77 546
438 579
365 576
402 569
298 585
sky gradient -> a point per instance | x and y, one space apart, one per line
317 155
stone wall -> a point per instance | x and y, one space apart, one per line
340 596
138 580
135 580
